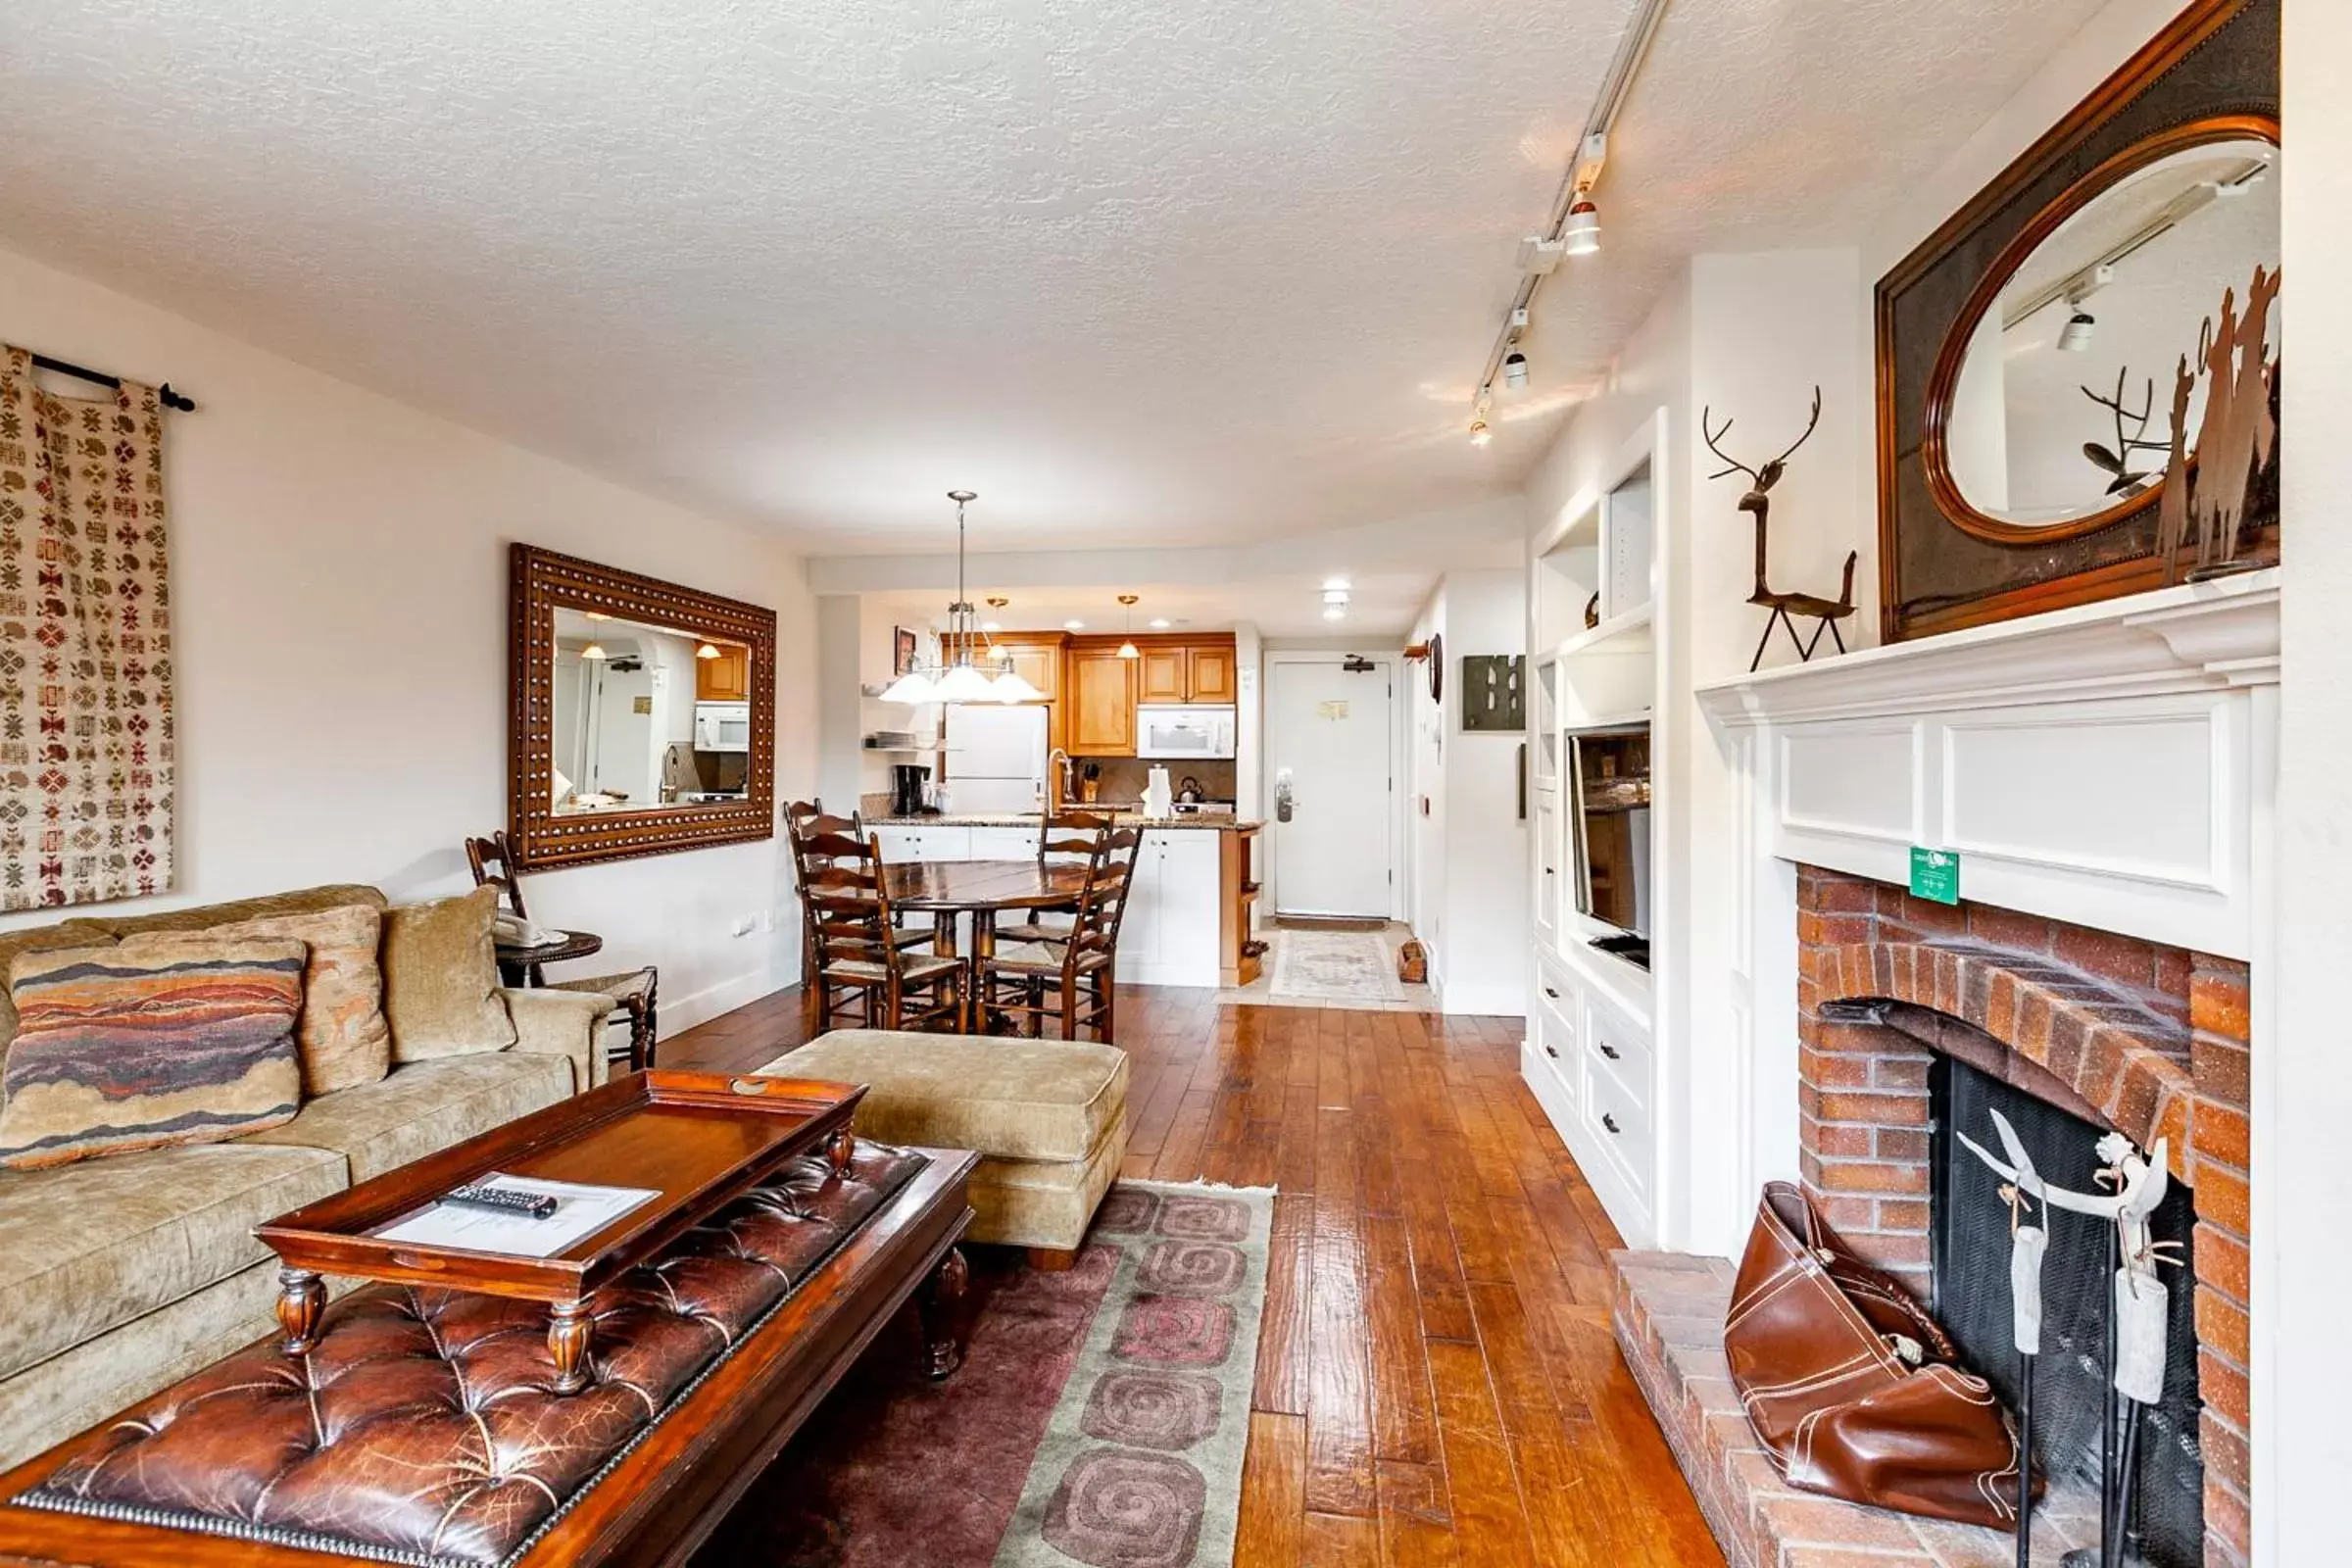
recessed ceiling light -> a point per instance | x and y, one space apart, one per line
1159 623
1334 612
1340 583
1073 625
1335 596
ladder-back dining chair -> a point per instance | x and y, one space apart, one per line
859 955
1071 978
634 992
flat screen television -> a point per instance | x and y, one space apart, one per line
1608 773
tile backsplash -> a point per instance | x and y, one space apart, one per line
1123 777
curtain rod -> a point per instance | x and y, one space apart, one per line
170 399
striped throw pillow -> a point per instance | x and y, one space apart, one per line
159 1040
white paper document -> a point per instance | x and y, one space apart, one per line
580 1211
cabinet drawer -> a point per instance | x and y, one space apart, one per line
1004 843
1621 1052
1550 1038
1620 1126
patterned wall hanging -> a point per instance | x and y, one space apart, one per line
86 645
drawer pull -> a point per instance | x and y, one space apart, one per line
1553 1052
1554 995
1609 1121
1610 1051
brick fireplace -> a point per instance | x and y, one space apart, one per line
2105 775
2146 1039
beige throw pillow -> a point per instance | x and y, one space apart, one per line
343 1039
441 979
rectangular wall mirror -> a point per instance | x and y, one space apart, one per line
642 718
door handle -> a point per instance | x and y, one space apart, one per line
1282 796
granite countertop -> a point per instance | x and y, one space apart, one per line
1223 823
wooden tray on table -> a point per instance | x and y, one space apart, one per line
699 1140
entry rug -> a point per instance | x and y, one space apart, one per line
1099 1418
1335 966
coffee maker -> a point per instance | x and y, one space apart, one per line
906 783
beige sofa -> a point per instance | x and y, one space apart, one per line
119 1275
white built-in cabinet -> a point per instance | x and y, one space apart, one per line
1592 1021
1170 933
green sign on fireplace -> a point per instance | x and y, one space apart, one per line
1935 876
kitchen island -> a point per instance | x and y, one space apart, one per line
1188 920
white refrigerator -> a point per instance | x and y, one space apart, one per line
995 759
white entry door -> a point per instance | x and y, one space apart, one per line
1330 752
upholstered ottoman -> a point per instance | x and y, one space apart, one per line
1049 1118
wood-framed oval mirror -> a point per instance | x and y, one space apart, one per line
2049 412
642 717
1992 396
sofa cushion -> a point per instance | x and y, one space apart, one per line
441 979
341 1037
88 1246
166 1038
1049 1099
46 1405
424 1107
204 916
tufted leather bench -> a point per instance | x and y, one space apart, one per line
422 1429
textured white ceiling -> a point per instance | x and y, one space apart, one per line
1141 272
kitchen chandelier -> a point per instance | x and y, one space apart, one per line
961 680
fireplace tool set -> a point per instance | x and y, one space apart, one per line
2137 1310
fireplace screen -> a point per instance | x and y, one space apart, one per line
1970 1254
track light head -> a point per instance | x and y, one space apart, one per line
1580 235
2075 337
1515 370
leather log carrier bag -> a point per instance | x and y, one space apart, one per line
1852 1388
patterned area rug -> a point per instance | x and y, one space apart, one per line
1335 966
1099 1421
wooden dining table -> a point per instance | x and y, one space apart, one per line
981 889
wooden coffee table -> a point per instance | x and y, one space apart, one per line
698 1138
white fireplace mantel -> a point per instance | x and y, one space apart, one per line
2108 765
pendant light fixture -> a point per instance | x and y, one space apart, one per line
959 679
1127 648
706 651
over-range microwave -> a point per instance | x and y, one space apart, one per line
722 726
1183 731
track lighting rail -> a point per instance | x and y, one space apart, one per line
1554 240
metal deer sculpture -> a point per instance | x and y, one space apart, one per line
1825 613
2206 483
2116 461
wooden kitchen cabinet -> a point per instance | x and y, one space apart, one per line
1162 675
1186 672
1038 663
726 679
1209 673
1101 702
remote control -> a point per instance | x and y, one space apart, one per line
500 1199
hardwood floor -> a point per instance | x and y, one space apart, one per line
1436 1381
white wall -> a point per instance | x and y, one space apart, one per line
1469 855
2303 1086
339 607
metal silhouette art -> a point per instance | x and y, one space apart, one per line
1824 612
2206 485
